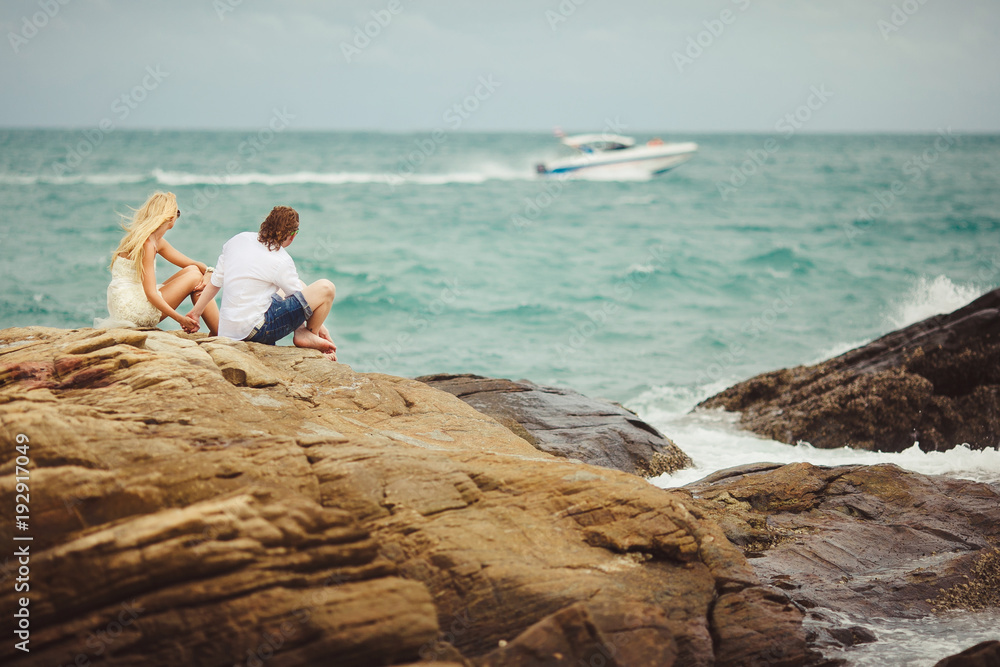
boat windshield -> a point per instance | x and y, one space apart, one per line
594 143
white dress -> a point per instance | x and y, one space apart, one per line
127 302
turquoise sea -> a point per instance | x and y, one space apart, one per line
451 255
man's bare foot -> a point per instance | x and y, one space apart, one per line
305 338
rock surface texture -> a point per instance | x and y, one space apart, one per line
936 382
860 541
565 423
196 501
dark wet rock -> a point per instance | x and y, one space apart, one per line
826 632
860 541
565 423
936 382
853 635
984 654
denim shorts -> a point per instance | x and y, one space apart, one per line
282 318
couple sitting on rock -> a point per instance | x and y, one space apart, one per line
263 299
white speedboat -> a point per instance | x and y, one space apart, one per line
614 153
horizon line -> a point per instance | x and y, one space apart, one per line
248 128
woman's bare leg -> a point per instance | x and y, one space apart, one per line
177 287
182 284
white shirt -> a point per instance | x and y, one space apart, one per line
249 274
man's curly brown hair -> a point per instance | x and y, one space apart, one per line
281 222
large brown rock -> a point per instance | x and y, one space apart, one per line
566 423
198 501
936 382
860 541
984 654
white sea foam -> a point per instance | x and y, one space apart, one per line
640 269
714 442
930 296
256 178
921 642
341 177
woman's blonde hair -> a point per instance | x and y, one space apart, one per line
161 207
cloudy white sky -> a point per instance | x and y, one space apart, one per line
890 65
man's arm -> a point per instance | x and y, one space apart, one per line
206 297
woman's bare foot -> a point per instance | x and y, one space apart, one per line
305 338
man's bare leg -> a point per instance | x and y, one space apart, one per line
305 338
319 295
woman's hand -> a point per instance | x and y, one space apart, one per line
189 324
206 277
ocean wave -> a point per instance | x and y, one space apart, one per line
76 179
390 178
257 178
640 269
930 297
781 259
181 178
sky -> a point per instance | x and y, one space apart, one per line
518 65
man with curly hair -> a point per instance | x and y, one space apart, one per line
263 299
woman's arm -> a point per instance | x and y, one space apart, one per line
176 257
153 295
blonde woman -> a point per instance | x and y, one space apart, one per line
134 298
